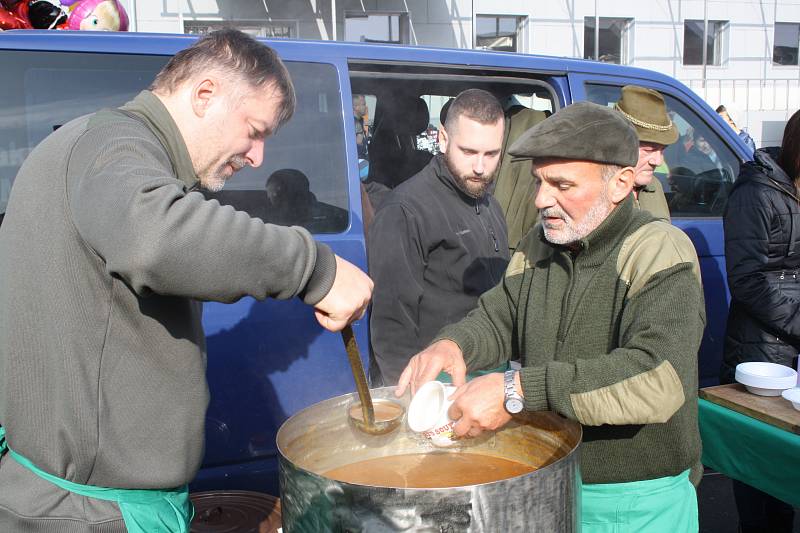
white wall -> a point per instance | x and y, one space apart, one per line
556 28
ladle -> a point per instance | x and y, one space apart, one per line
389 413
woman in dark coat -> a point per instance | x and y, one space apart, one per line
762 255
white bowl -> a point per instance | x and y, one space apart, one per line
765 379
793 395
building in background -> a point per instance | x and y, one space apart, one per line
745 52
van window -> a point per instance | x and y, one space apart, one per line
698 170
428 140
409 102
303 180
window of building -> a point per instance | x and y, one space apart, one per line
493 32
302 181
693 42
391 28
698 170
286 29
612 39
787 42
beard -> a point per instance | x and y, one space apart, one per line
215 181
571 231
470 184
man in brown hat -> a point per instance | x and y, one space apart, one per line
603 306
646 111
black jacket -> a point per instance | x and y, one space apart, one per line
432 251
762 256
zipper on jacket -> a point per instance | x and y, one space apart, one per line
490 229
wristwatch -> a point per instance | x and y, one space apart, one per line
513 402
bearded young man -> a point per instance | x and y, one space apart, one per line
603 305
439 239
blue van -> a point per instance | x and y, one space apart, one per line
267 360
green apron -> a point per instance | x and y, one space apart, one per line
667 504
143 510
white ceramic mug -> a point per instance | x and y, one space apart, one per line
427 413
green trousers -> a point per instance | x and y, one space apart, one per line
667 504
143 510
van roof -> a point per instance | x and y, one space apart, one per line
169 44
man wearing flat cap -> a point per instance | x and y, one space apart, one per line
646 111
602 304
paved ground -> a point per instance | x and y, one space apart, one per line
717 510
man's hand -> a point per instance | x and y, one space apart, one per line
478 406
440 356
348 298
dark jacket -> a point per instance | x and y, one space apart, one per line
432 250
762 256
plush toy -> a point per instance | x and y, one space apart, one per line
98 15
46 14
14 15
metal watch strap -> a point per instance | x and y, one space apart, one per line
512 398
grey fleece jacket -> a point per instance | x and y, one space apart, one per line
104 254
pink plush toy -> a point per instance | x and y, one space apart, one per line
97 15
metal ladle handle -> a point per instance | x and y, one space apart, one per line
359 375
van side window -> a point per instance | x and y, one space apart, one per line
302 181
698 170
44 90
428 139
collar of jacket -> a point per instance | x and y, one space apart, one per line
157 117
765 168
595 248
650 187
444 175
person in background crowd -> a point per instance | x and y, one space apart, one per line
762 242
439 240
730 114
646 111
110 246
359 112
515 188
591 303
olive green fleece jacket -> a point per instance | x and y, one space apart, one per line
653 200
607 336
105 252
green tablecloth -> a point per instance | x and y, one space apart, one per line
763 456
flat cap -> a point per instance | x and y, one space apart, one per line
581 132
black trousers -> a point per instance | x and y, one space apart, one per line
759 512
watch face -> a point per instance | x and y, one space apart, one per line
514 406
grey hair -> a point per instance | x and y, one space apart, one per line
235 55
608 171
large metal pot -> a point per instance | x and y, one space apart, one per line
320 438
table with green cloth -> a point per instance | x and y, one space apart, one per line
749 450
